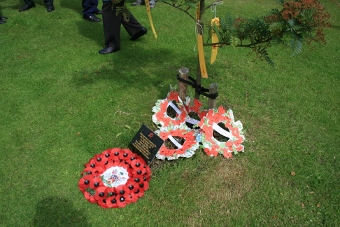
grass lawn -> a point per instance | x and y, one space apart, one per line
61 103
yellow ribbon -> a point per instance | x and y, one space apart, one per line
214 39
201 59
147 5
203 67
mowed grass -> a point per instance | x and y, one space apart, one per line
62 103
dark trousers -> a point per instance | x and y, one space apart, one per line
89 7
112 22
31 2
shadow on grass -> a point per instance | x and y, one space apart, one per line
14 6
74 5
54 211
91 30
126 68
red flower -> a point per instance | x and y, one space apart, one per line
227 154
101 196
111 200
211 152
173 95
89 197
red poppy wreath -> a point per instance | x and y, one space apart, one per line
115 178
221 134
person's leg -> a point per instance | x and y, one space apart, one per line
133 27
111 25
89 9
97 11
28 4
49 5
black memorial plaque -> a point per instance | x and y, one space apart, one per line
146 143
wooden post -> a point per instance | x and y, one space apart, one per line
182 87
212 90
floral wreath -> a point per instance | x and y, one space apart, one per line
115 178
187 149
160 116
210 123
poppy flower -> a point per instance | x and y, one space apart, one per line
101 196
211 152
84 182
173 95
89 197
111 202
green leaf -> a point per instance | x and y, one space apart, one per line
296 45
234 41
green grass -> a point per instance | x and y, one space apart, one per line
62 102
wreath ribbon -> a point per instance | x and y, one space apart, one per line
221 131
177 144
174 107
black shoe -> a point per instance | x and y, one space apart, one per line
50 8
92 18
98 11
138 34
2 21
26 7
108 50
3 18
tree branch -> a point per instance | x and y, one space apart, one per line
178 7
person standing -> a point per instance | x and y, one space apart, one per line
90 8
115 14
30 4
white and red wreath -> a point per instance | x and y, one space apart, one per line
177 143
161 117
220 125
